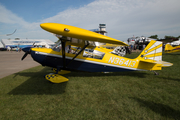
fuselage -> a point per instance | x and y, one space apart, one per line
106 62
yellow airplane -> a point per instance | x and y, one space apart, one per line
171 49
68 54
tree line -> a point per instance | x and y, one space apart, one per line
165 37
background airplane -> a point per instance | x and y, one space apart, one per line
170 49
9 34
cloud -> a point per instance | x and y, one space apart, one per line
10 21
10 18
124 18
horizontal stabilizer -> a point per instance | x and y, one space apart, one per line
164 63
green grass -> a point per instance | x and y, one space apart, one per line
122 95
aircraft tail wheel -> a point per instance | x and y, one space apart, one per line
56 78
156 73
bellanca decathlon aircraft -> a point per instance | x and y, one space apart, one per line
76 51
171 49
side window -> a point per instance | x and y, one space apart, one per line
74 50
68 49
93 54
57 48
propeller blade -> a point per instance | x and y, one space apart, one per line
26 53
33 44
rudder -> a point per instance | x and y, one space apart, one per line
152 53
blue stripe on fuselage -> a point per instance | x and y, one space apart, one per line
53 61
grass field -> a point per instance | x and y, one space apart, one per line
122 95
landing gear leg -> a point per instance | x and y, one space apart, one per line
58 69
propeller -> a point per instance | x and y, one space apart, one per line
27 51
33 44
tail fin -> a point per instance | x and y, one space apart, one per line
151 57
152 53
168 48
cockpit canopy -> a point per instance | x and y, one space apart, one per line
73 46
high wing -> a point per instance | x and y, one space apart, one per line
79 33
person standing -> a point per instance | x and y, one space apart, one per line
144 46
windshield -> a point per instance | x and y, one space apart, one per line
72 49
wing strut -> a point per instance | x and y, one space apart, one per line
79 52
63 43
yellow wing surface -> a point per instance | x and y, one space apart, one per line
79 33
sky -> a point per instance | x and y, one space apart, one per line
123 18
